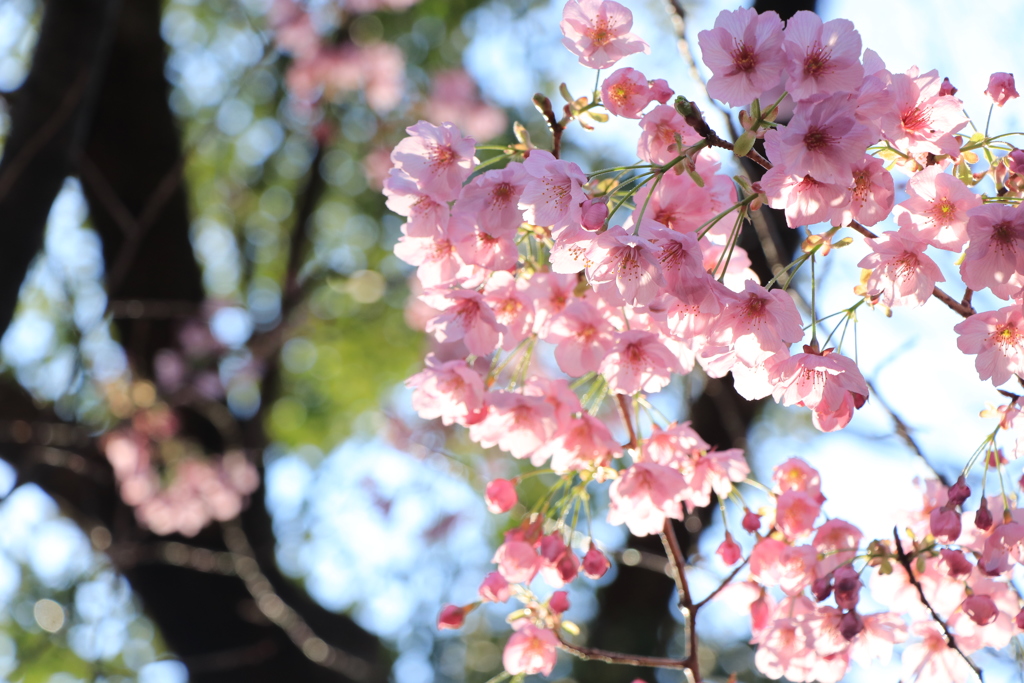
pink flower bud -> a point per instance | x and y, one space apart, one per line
595 564
983 518
751 521
945 524
595 213
451 616
946 88
981 609
729 551
552 547
660 90
958 566
847 588
559 601
822 588
500 496
958 492
567 566
1001 88
760 614
1019 619
494 588
850 625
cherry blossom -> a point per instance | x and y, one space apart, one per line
597 31
744 54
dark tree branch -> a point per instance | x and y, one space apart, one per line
49 118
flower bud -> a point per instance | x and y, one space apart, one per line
595 564
822 588
1019 620
958 492
946 88
850 625
494 588
752 521
595 213
729 550
981 609
847 587
983 518
452 616
500 496
1001 88
945 524
559 601
1015 161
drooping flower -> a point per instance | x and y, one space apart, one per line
823 140
452 391
466 316
624 268
925 120
871 194
638 361
1001 88
597 31
659 127
828 383
644 496
530 650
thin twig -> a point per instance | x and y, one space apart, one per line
621 658
274 608
950 640
677 560
721 586
903 431
543 105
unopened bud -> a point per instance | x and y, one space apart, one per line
559 601
981 609
983 518
850 625
751 521
595 564
451 617
822 588
959 492
744 143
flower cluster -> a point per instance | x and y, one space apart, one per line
559 301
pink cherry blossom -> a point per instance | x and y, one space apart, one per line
795 512
837 542
1001 88
500 496
931 660
554 192
827 383
995 255
494 588
582 336
624 268
901 273
744 54
674 446
530 650
426 216
597 31
729 550
925 121
677 203
516 423
513 308
715 471
775 563
517 561
466 316
805 200
452 391
580 443
595 564
645 495
823 140
627 92
657 143
823 58
757 324
997 338
871 194
638 361
451 617
491 200
938 207
438 158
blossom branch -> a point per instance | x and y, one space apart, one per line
695 119
677 561
543 105
721 586
591 653
903 431
904 560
